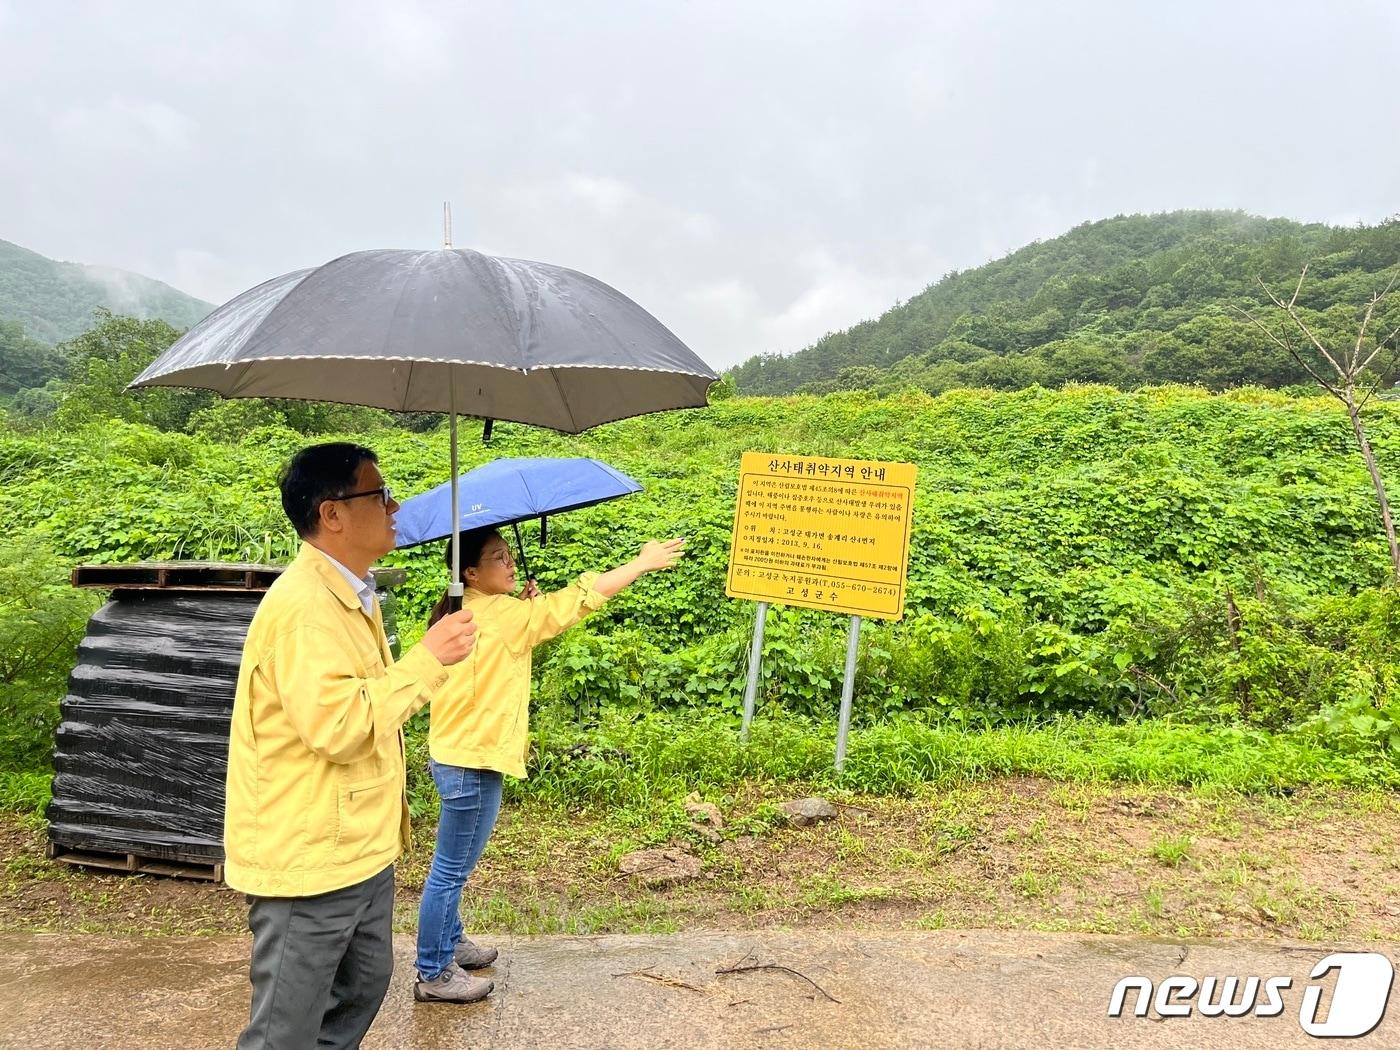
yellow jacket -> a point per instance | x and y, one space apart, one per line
482 718
315 797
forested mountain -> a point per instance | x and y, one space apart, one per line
1130 300
44 303
55 300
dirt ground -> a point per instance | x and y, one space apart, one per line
1008 854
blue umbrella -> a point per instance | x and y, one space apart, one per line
507 491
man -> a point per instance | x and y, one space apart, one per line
316 812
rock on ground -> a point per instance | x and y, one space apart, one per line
806 811
704 812
657 868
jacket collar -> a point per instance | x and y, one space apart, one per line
314 560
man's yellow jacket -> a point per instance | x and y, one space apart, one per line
316 795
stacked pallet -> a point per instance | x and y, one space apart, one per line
142 748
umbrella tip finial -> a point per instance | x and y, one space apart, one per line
447 224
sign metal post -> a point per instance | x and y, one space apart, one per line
848 688
760 619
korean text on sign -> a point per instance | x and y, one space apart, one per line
822 532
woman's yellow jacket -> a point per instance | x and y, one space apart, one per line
481 719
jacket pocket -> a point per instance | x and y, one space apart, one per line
368 812
371 663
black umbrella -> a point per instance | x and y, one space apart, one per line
448 330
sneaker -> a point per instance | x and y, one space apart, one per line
452 986
471 956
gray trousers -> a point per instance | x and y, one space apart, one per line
320 966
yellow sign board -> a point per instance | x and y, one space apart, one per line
822 532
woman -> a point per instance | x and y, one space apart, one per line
480 722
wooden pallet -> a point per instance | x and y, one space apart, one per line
135 864
198 576
177 576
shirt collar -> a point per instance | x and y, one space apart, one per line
363 586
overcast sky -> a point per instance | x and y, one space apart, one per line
754 173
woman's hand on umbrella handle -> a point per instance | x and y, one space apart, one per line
532 589
660 554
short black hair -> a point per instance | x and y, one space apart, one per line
316 474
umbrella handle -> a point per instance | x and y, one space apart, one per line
519 546
454 597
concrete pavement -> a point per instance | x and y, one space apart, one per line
947 988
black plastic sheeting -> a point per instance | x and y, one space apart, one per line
142 748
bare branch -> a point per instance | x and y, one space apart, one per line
1370 357
1288 309
1292 351
1145 676
1381 345
1380 375
1361 332
1376 300
1391 335
1347 395
1367 396
661 978
1295 290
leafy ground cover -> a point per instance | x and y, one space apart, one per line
1164 553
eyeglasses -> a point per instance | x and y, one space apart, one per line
504 558
384 492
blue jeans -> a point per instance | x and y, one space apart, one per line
471 799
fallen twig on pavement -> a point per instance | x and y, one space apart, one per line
661 978
785 969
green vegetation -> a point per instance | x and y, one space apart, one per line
629 760
41 620
1127 301
1173 850
1165 585
25 363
